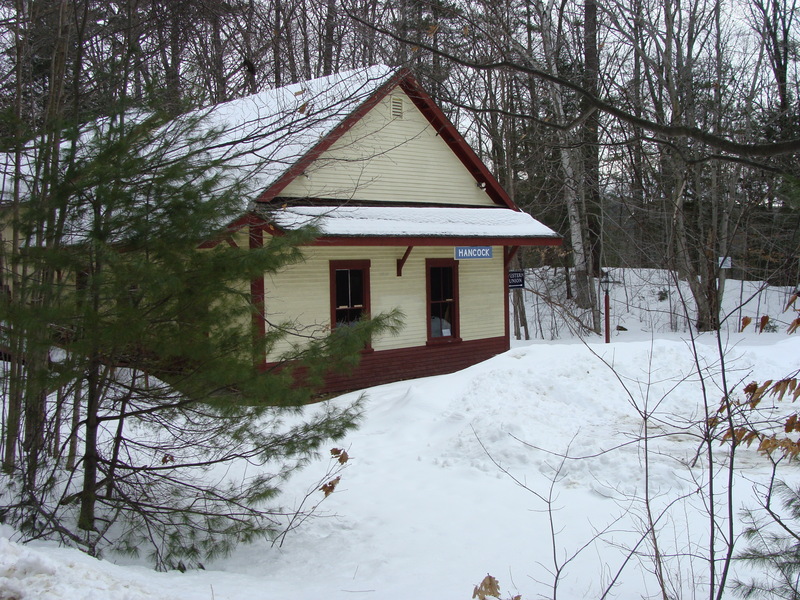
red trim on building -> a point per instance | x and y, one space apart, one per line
455 322
386 366
510 253
433 241
362 265
506 315
257 290
402 261
225 234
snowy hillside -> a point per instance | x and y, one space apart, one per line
450 478
649 301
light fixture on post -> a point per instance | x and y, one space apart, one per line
605 285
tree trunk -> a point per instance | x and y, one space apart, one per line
13 281
277 59
72 447
220 91
584 294
327 44
86 518
172 60
591 139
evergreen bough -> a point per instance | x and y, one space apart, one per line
135 411
774 548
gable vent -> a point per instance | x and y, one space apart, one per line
397 107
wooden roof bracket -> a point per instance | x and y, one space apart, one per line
510 252
402 261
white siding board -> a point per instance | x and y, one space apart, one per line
301 293
482 307
297 298
390 291
391 160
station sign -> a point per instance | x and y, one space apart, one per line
470 252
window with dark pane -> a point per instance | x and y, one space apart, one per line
349 294
442 301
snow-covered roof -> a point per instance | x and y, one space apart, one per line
262 138
270 131
259 136
411 221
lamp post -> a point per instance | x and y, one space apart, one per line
605 284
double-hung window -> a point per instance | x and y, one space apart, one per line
349 291
442 283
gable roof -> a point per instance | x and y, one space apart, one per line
271 137
292 126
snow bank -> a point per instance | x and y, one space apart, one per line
452 477
59 574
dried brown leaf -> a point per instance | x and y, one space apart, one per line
779 389
790 424
328 488
488 587
755 396
794 326
791 301
767 445
750 438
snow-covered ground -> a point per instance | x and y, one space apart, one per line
450 478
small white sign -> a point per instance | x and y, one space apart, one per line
725 262
516 280
467 252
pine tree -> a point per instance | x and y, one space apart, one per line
137 357
774 548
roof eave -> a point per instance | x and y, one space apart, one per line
255 221
400 240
